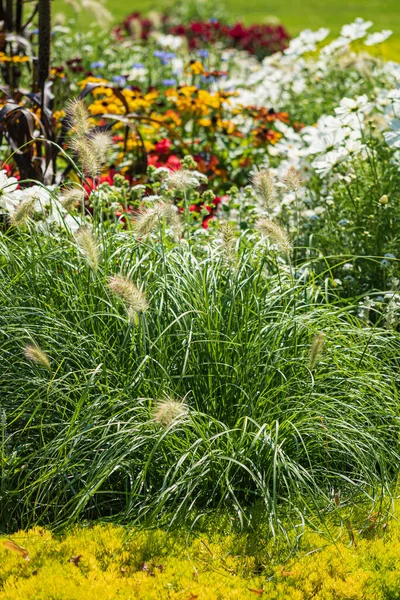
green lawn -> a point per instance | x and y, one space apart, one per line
295 14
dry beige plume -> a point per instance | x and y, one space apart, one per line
148 219
72 197
228 242
23 211
133 298
78 117
89 246
181 179
100 12
84 150
317 348
169 411
101 143
92 149
264 185
292 179
60 19
135 28
95 7
34 353
275 234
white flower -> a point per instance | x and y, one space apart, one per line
323 166
306 42
60 217
137 73
322 139
330 133
394 97
377 38
394 94
356 30
353 147
172 42
338 44
8 192
392 138
350 107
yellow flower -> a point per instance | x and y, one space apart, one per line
14 59
20 59
83 83
58 115
196 68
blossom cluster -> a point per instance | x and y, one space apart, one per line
258 39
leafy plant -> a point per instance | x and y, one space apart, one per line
262 424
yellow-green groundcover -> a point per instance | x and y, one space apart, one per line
106 562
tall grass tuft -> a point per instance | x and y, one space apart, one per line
256 436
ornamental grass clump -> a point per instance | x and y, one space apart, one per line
265 442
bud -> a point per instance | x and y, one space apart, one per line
384 199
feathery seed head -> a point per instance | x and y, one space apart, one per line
228 241
133 298
23 211
292 180
100 12
72 197
148 219
169 411
84 149
101 143
275 234
182 179
88 245
317 347
35 354
264 185
78 117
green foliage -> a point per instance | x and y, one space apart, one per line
250 423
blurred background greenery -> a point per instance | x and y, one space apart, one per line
294 14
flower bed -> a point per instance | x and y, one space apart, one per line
260 40
199 256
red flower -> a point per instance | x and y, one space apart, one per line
163 146
206 220
90 184
173 163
